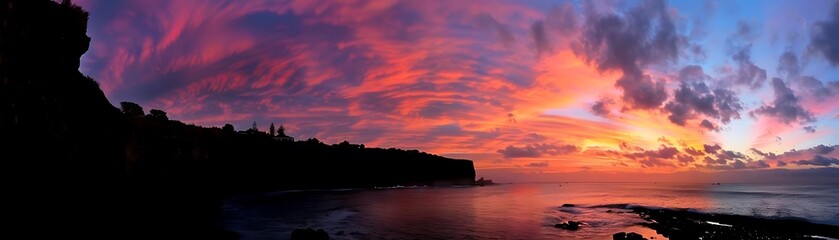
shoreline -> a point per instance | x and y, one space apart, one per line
689 224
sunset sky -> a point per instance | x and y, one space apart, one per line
520 87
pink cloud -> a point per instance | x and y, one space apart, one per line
445 77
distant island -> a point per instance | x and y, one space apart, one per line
80 167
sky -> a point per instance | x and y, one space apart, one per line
526 89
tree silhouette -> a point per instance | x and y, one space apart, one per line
228 128
254 130
158 115
131 109
272 130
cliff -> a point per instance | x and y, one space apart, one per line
76 166
61 138
254 162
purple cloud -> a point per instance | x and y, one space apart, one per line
818 160
824 35
786 107
538 164
537 150
629 42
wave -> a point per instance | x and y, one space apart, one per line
646 208
748 193
631 206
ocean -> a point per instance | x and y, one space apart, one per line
511 211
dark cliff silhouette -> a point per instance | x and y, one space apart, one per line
255 161
76 166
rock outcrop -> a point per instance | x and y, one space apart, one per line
569 225
628 236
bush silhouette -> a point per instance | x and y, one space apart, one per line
131 109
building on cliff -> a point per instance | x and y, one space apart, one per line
281 135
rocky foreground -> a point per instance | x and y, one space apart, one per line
685 224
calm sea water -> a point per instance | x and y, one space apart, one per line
511 211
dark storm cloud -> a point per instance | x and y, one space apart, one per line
809 129
629 42
540 38
781 164
824 37
488 22
786 107
537 150
818 160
